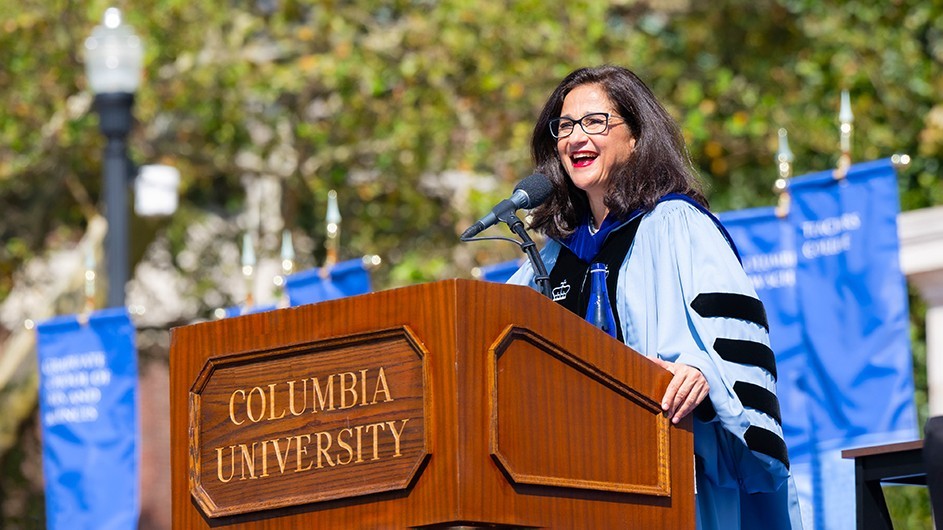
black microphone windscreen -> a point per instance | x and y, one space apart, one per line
538 189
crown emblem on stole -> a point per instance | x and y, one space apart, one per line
559 292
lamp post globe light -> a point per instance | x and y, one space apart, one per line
113 58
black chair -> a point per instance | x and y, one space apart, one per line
933 458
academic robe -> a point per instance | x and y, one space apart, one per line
683 296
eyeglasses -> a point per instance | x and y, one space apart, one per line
593 123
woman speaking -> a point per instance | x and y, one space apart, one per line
625 195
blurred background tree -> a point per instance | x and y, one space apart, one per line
419 112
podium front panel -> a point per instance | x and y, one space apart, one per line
308 423
454 403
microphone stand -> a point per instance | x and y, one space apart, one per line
530 248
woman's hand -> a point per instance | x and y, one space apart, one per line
687 389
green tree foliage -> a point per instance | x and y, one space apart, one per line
376 99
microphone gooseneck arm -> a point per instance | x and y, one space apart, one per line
529 193
541 278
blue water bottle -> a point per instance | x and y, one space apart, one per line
599 312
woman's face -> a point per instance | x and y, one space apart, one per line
589 158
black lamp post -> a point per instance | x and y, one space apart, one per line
113 65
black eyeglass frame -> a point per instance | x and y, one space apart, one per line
555 124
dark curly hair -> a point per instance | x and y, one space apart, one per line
659 164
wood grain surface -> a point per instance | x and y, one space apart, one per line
527 417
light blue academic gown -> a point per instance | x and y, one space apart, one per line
742 475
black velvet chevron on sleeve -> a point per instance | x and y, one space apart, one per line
730 305
747 352
757 397
767 442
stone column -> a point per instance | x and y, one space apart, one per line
921 260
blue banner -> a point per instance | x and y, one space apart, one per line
499 272
88 401
853 300
347 278
829 276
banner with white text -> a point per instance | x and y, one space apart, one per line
88 397
836 300
853 300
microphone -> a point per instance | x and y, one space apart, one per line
529 193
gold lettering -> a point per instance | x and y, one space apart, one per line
322 399
291 397
302 450
396 435
261 405
359 429
264 459
344 445
248 460
352 389
249 405
232 409
282 458
271 401
376 433
322 449
349 442
219 463
381 381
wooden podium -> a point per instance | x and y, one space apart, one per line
450 404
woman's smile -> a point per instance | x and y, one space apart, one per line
583 158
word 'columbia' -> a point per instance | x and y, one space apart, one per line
350 391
